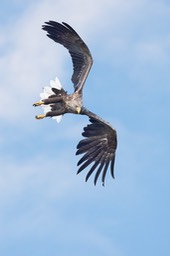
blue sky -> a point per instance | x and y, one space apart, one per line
46 209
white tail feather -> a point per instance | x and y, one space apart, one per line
57 118
47 92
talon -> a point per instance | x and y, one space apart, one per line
40 116
38 103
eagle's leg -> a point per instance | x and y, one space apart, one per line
50 100
55 113
51 114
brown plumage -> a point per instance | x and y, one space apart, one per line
100 143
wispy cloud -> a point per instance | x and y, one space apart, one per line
40 196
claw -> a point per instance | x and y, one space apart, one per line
38 103
40 116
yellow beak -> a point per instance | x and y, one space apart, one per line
78 110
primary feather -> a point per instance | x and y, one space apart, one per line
98 148
80 54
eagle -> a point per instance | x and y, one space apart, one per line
98 147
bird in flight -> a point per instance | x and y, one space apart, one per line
99 145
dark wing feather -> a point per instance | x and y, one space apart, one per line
98 148
80 54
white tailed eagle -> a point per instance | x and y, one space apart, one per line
100 143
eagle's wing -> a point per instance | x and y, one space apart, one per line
80 54
98 148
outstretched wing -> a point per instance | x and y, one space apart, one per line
80 54
98 148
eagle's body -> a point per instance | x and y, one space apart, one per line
71 103
100 141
